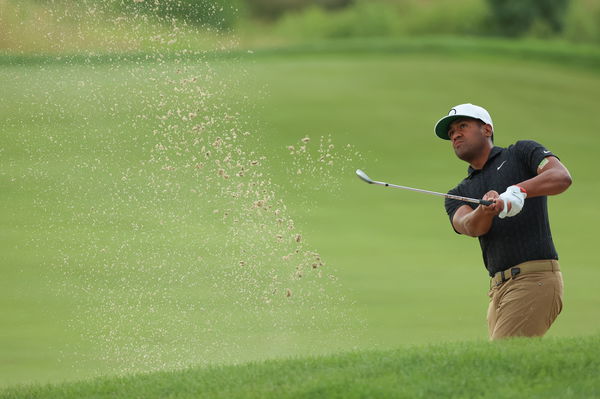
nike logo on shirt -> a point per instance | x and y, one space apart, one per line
501 165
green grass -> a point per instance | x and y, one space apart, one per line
64 26
112 264
531 368
548 51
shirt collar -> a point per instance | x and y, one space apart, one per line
493 154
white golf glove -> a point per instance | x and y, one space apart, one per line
516 197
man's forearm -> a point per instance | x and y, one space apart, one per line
552 178
477 223
550 182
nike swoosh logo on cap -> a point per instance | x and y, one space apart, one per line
546 152
501 165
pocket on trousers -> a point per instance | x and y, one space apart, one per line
558 292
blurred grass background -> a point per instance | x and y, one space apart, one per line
84 85
64 26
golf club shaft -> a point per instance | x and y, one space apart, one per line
455 197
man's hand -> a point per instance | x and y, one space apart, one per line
512 200
477 222
497 205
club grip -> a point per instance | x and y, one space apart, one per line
486 202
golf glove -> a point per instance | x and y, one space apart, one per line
516 196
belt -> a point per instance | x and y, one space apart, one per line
549 265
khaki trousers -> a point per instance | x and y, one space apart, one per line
527 304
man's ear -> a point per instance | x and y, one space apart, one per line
488 130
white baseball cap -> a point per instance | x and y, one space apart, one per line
459 111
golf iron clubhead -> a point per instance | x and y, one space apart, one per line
364 177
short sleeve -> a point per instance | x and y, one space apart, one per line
452 205
531 153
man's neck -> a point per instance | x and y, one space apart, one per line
482 158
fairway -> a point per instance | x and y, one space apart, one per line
120 256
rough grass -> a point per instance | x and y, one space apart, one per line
531 368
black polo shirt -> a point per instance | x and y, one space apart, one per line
516 239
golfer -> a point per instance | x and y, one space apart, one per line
526 286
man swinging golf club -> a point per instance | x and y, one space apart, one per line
514 232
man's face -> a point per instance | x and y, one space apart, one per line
469 137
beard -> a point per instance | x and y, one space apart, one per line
470 151
466 153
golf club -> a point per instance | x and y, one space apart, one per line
363 176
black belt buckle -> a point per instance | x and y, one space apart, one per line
515 271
